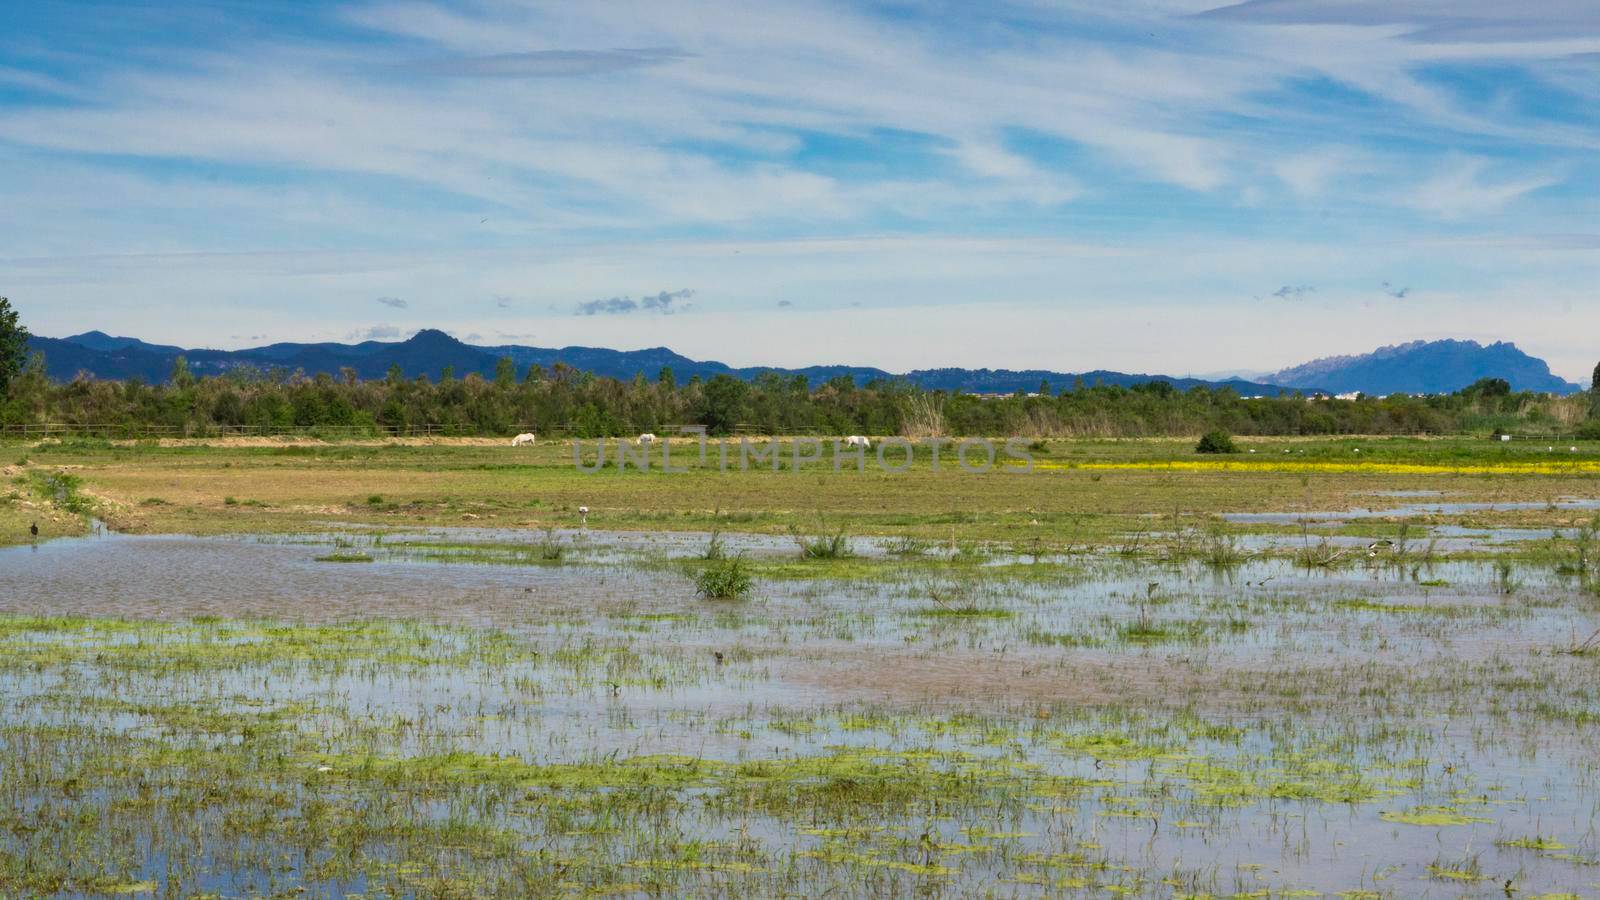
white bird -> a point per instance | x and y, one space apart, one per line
583 514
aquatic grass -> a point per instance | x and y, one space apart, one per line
825 547
727 578
967 611
344 557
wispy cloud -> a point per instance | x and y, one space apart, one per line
548 63
1398 293
393 302
666 303
1457 20
1464 189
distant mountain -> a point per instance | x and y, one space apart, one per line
430 351
99 340
1425 367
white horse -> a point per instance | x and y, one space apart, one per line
856 440
524 439
647 438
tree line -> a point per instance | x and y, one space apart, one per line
569 402
563 400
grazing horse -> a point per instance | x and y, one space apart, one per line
647 438
524 439
856 440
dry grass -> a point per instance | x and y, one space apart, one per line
1090 491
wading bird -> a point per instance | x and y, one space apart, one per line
34 529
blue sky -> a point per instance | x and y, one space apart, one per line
1150 185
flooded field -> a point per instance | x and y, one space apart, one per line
469 712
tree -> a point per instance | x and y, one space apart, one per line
13 344
182 377
723 404
1488 387
505 372
1594 385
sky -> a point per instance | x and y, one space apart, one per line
1173 186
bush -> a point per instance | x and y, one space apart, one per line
725 579
1216 442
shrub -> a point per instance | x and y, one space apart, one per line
827 546
1216 442
725 579
550 549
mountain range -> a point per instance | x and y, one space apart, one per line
1419 367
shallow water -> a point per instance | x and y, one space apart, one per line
1262 690
1406 511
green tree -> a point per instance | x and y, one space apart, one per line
1488 387
505 372
13 344
724 403
1594 384
182 376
